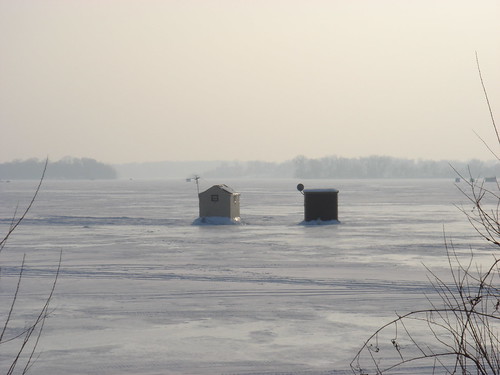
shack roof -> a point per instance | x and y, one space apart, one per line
223 187
321 191
227 188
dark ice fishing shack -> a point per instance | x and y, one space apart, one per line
320 204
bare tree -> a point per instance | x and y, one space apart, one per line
458 332
24 341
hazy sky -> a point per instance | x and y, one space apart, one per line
154 80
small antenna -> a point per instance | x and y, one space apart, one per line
300 188
196 178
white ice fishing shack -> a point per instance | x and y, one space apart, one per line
220 201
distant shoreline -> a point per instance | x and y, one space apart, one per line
333 167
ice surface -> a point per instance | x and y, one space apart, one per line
143 291
216 220
320 222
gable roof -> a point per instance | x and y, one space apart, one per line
222 187
227 188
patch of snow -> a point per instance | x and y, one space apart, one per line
320 222
217 220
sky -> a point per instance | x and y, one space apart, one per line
148 80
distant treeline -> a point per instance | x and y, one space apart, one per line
365 167
390 167
301 167
66 168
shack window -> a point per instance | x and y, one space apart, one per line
215 197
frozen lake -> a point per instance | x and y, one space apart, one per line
143 291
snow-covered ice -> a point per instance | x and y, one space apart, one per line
144 291
216 220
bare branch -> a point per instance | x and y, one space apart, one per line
459 334
21 218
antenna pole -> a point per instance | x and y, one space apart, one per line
196 178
